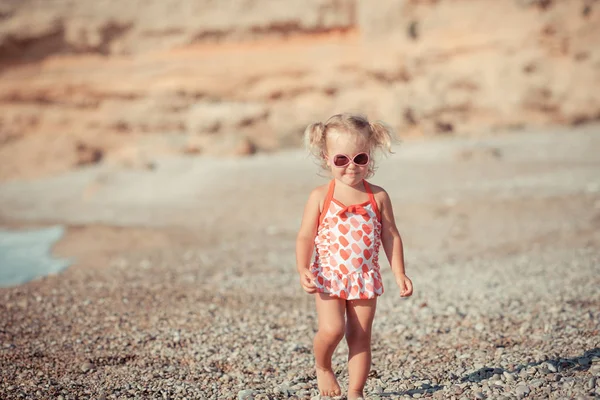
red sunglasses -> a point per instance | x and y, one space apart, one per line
342 160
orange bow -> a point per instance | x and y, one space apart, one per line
354 209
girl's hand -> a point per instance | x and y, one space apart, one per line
405 284
307 282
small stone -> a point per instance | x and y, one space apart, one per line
550 367
523 374
87 366
479 395
457 390
537 383
584 361
557 377
591 383
247 394
509 377
595 370
60 397
426 384
522 390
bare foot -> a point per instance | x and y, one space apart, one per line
328 385
355 396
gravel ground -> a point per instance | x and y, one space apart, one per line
502 244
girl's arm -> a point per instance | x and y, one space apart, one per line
392 244
306 239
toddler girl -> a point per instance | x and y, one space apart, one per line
345 222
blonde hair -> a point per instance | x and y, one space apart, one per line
379 136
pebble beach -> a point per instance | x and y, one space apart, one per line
196 296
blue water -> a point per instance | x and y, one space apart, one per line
26 254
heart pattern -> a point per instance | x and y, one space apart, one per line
367 229
343 269
345 254
347 246
343 241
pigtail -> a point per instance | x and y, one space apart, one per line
382 136
314 138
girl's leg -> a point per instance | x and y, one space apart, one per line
330 314
358 335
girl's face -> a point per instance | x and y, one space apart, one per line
350 145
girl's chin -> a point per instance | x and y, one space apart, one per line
351 179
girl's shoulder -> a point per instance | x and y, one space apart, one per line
378 191
381 197
318 194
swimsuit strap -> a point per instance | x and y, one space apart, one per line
372 199
327 201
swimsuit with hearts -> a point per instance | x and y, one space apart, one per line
347 248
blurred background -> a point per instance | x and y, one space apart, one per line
85 82
153 147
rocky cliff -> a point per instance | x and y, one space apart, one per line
123 82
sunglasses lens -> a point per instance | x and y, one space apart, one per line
340 160
361 159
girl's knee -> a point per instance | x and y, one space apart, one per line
358 336
331 333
